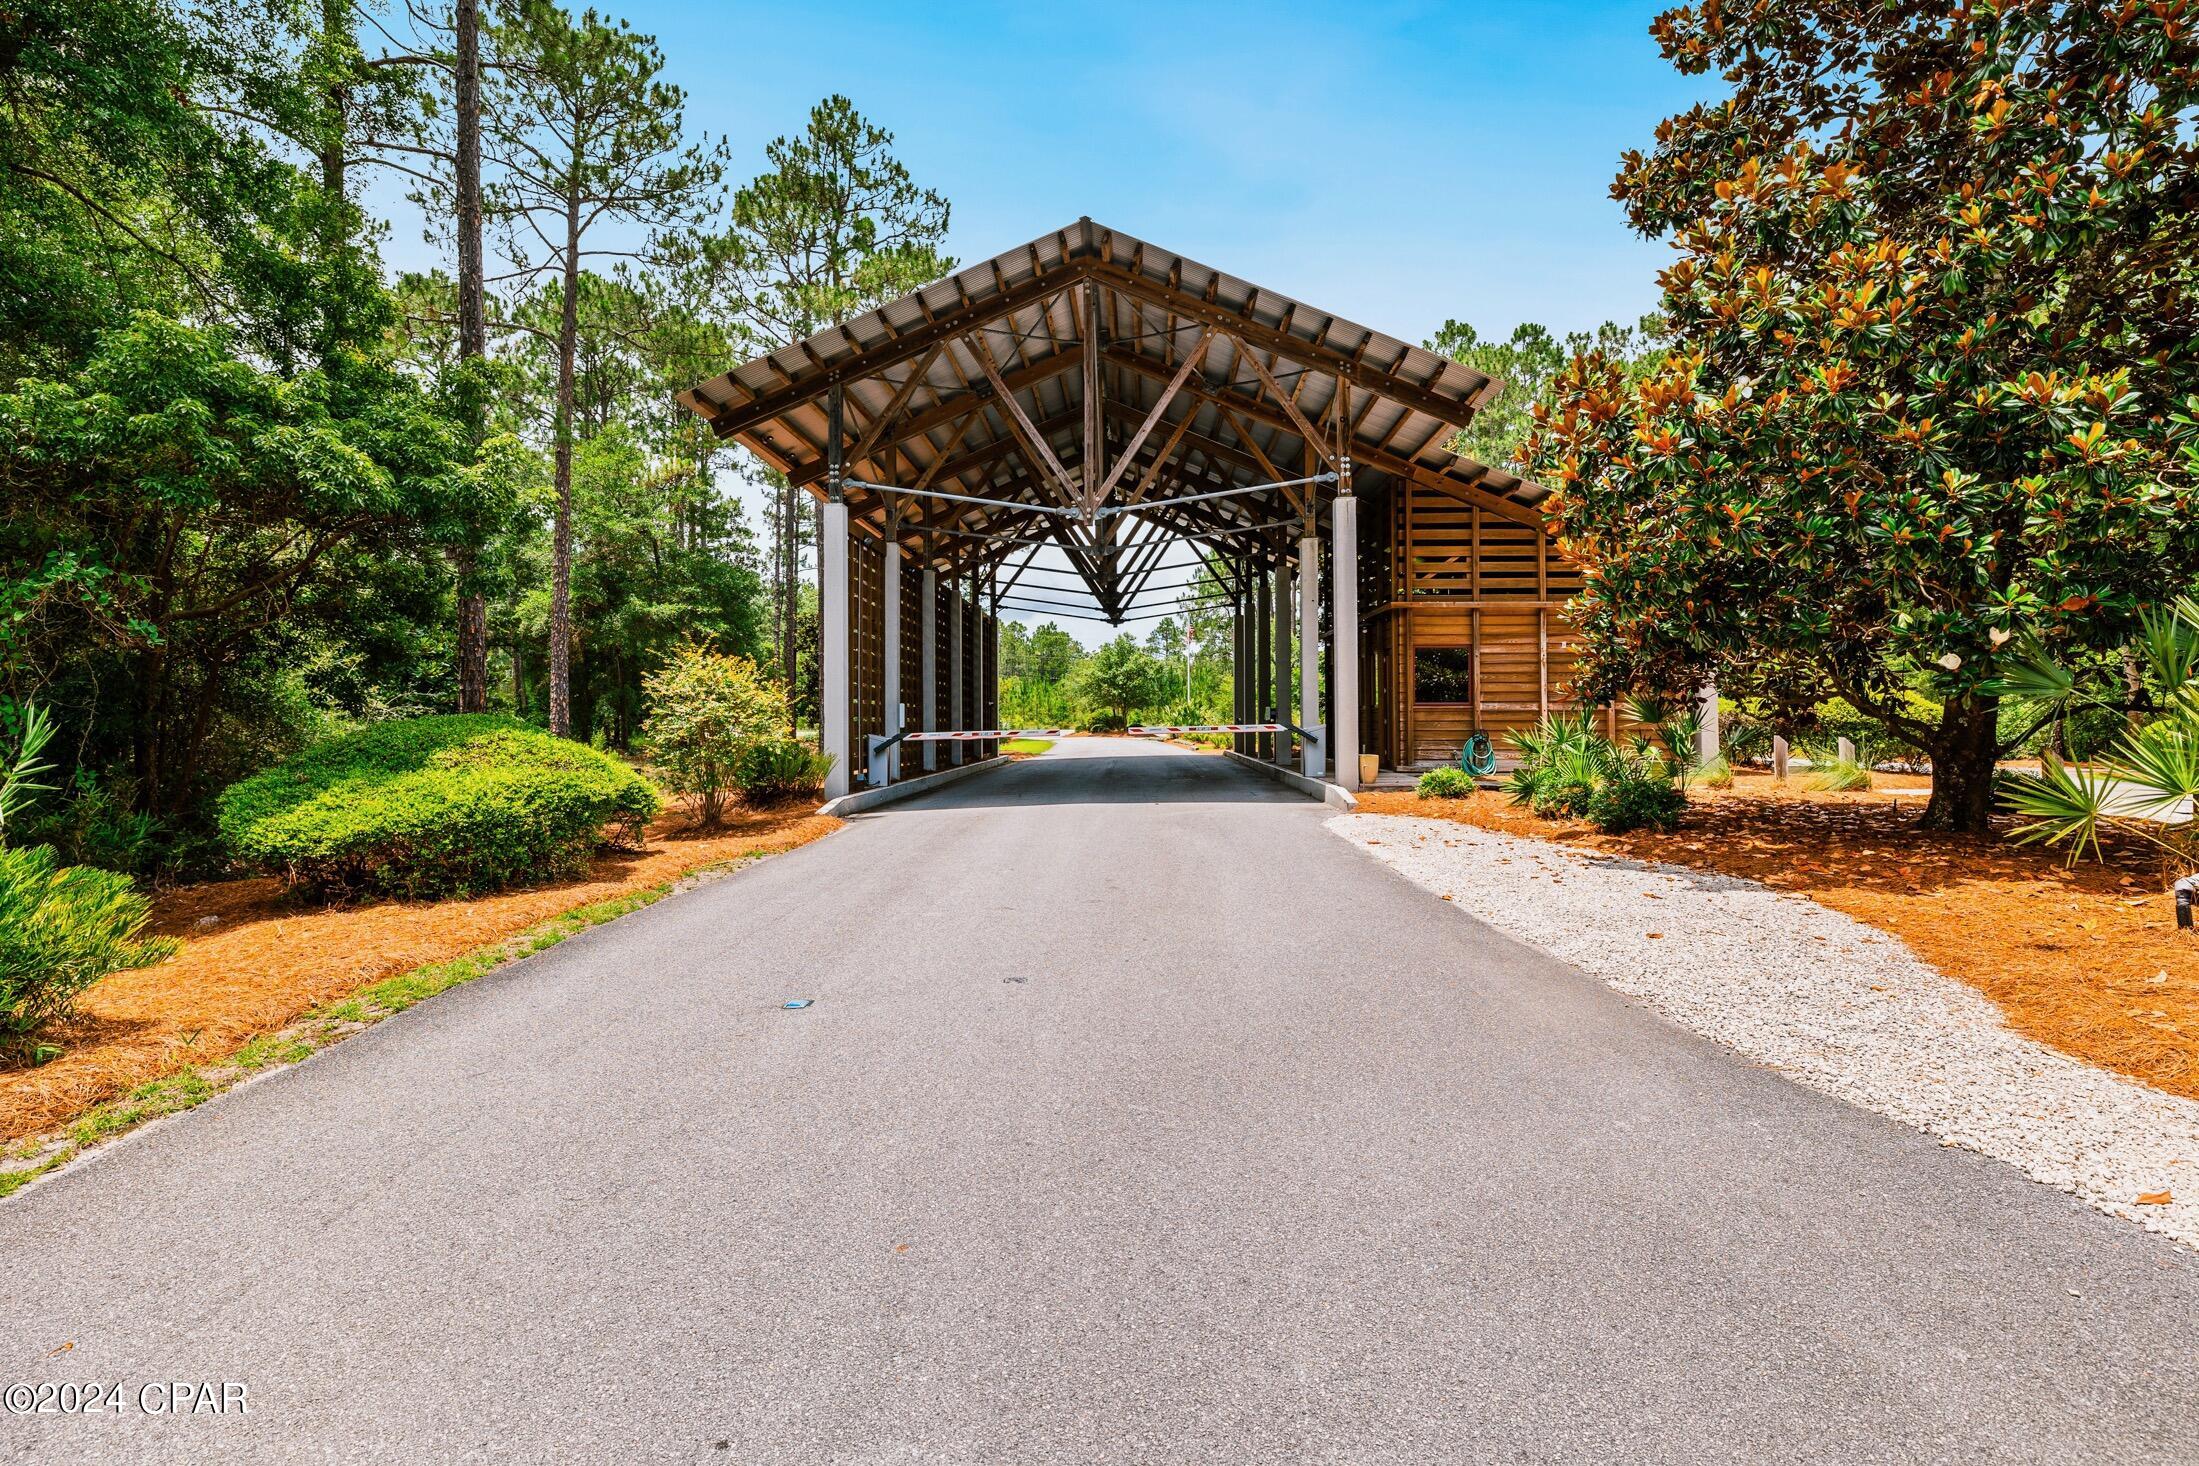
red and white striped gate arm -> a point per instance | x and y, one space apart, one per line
989 734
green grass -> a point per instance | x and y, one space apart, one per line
319 1029
1026 745
1839 776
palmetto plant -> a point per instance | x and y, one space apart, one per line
2147 783
1561 760
1678 728
1567 769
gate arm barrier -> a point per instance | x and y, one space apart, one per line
881 745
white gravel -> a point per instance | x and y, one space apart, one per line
1830 1002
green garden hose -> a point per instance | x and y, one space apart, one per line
1477 757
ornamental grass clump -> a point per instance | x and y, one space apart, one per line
62 927
710 717
430 807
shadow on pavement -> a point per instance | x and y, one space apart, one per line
1105 778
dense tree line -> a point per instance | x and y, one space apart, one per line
260 488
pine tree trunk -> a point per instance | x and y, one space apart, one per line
561 537
473 645
1963 754
335 180
473 331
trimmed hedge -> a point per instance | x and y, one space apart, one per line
433 807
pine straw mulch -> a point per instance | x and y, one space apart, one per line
2086 959
271 957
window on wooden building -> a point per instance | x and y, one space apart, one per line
1443 674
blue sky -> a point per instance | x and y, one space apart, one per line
1396 163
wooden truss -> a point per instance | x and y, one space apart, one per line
1094 393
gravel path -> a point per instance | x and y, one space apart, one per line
1837 1005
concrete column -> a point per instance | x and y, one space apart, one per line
1706 737
1263 668
1779 757
895 719
1282 658
1344 617
956 625
930 671
1309 646
834 621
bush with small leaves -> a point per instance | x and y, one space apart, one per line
706 711
1631 802
1446 783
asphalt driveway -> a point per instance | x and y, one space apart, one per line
1137 1118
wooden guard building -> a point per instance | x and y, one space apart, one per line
1096 394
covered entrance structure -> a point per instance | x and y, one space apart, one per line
1097 395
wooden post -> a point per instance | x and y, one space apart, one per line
929 650
893 720
1542 659
1473 656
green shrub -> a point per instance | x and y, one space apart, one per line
706 710
1446 783
1632 802
1717 774
62 928
1105 723
779 769
94 825
432 807
1567 770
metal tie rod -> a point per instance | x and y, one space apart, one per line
1287 483
960 498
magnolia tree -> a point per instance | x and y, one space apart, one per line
1928 392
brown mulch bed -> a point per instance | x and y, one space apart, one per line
2086 959
273 957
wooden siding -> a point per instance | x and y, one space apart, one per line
1462 576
